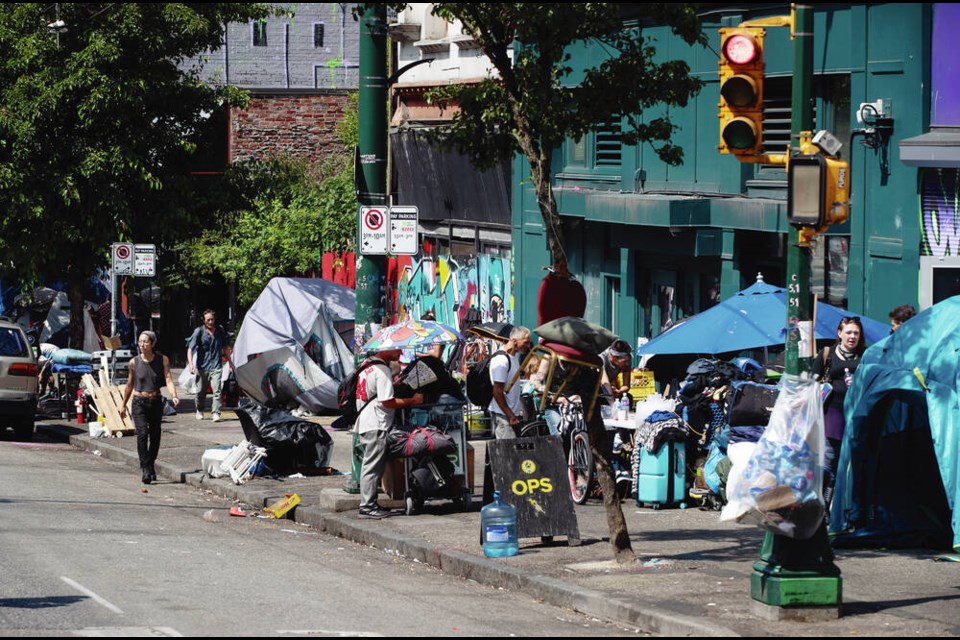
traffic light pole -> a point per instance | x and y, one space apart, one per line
797 578
371 181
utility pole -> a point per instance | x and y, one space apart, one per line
371 176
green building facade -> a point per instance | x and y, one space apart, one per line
654 244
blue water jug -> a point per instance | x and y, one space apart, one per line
498 526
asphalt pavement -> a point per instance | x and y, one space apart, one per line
692 577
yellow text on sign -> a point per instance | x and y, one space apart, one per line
532 485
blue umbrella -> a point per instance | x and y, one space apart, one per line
752 319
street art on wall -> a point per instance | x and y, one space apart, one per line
940 213
448 288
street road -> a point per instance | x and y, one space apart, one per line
87 550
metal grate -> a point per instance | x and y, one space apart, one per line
608 147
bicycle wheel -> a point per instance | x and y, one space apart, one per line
534 428
580 464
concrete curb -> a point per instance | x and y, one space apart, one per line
656 617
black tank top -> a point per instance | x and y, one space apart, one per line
150 377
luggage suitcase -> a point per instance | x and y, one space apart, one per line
661 477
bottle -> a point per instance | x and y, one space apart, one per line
498 525
625 407
847 377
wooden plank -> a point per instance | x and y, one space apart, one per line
117 397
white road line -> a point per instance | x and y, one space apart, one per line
82 589
329 633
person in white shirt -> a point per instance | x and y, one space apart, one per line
377 406
505 407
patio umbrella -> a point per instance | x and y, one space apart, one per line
752 319
499 331
412 334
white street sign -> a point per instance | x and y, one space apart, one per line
403 230
122 259
145 260
373 230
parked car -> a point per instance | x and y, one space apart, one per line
18 380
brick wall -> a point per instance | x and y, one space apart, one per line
288 124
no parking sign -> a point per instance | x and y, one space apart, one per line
373 230
122 259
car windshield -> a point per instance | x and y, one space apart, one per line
13 344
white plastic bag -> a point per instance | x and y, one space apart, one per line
654 402
780 486
188 381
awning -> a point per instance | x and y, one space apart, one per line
938 148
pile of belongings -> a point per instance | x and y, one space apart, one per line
291 444
657 425
723 403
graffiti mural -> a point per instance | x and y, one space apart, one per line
940 213
449 288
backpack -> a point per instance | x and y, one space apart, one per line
479 386
347 393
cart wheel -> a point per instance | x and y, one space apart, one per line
655 506
411 506
580 464
467 500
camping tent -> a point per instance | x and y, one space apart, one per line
897 478
289 347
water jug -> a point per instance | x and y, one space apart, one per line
498 525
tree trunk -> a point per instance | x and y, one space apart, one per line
619 536
75 281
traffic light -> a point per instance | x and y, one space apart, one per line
741 90
818 191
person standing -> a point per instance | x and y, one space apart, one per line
617 360
505 408
376 406
148 373
205 360
901 314
836 366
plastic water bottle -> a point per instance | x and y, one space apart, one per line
847 377
625 407
498 523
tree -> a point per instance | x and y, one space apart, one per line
97 124
537 102
296 210
283 212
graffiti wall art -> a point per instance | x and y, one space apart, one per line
940 213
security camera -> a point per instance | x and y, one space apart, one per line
828 143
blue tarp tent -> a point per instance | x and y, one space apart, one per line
898 469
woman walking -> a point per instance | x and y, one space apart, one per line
149 371
835 366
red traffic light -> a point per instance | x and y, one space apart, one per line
741 48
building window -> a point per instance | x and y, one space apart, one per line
608 145
259 29
830 268
317 35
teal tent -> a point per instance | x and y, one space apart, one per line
897 481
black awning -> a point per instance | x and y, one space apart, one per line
445 186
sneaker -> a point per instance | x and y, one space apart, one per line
199 415
375 513
215 417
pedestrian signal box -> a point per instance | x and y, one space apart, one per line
818 191
741 90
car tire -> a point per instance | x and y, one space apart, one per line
24 429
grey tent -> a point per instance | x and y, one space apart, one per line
290 348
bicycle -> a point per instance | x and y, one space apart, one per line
570 407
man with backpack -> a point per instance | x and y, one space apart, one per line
376 406
505 407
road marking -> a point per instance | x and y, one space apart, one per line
127 632
329 633
101 601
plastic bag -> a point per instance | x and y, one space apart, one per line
188 381
779 487
653 402
291 443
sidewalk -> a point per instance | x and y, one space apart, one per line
694 572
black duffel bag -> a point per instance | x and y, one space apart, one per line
750 404
411 442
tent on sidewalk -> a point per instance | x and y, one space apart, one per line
290 347
898 471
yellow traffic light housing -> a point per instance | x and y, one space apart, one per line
818 191
741 90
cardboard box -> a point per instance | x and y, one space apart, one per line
280 508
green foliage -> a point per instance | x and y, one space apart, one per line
96 126
295 210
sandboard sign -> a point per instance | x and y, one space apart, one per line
373 230
532 475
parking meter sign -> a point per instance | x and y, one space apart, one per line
145 260
122 259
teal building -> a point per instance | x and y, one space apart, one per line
654 244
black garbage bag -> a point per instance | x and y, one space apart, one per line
292 444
